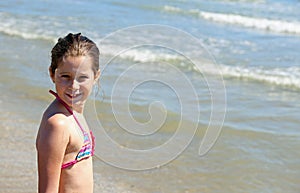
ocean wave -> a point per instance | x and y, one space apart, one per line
27 28
272 25
285 77
173 9
139 54
250 22
25 35
256 133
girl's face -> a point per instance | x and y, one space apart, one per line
74 79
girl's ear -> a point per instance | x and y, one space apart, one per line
97 76
51 74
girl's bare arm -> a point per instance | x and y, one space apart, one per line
51 145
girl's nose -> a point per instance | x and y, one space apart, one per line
75 84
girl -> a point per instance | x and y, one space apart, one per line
64 143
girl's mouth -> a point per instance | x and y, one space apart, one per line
73 96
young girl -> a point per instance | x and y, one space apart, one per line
64 143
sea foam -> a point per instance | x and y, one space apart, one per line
285 77
266 24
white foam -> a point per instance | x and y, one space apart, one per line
147 56
29 35
139 55
172 9
24 28
278 26
287 77
273 25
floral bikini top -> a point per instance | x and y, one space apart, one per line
88 148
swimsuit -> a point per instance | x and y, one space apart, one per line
88 148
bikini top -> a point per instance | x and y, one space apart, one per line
88 148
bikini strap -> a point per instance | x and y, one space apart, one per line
68 108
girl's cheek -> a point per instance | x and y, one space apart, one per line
62 82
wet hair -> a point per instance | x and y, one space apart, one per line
74 45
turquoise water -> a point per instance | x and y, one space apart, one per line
255 45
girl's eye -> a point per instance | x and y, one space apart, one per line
83 77
65 76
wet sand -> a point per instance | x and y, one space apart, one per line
18 163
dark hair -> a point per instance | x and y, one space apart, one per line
74 45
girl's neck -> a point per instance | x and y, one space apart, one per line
78 108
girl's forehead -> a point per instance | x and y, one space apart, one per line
76 64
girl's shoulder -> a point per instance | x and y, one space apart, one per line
54 129
55 118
